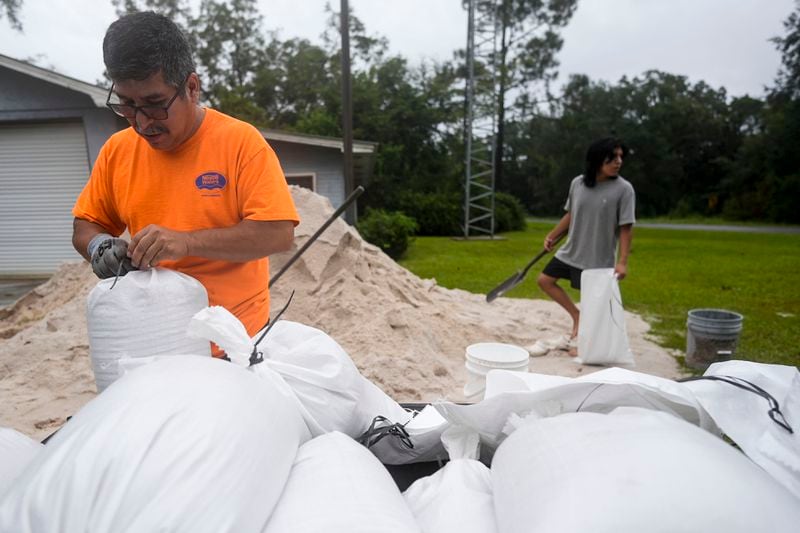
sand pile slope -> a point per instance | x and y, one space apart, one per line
45 374
406 334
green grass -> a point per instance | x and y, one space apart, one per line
669 273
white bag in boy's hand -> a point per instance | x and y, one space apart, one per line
602 337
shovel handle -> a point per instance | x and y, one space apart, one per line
353 195
517 278
541 254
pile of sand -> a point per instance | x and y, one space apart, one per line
406 334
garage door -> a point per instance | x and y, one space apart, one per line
43 168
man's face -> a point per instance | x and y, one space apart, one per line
612 165
171 132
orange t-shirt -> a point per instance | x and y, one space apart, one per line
225 173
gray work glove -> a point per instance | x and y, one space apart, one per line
109 256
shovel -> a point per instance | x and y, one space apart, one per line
349 200
517 278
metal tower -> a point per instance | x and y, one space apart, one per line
480 125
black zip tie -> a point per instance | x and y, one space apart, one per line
51 435
257 357
119 271
374 434
774 412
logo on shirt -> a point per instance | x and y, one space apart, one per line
210 181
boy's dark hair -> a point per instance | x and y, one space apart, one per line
599 152
138 45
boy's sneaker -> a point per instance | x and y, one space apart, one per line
543 346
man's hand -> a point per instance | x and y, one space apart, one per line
110 258
154 244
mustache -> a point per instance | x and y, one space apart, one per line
151 131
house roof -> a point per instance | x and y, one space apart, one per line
359 147
97 94
363 151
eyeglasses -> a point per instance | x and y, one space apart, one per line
154 112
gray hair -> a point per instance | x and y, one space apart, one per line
138 45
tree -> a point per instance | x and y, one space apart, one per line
413 113
788 81
766 182
685 139
230 44
529 41
177 11
227 37
11 9
782 182
298 85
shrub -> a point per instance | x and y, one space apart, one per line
439 214
391 231
509 215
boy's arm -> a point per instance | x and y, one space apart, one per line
560 229
625 238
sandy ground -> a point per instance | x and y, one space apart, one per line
406 334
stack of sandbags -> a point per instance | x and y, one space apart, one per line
184 443
331 392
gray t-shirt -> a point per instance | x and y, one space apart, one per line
596 215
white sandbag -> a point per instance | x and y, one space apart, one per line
631 471
602 335
457 498
16 451
145 314
333 393
337 486
529 394
185 443
671 396
744 416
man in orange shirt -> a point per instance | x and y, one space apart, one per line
200 192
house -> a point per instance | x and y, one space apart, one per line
51 130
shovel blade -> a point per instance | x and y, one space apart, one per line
504 287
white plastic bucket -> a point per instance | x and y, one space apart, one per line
485 356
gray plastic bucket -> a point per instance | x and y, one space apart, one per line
712 335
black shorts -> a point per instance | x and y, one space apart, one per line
559 269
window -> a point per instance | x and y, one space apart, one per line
309 181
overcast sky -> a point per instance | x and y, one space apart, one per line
722 42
